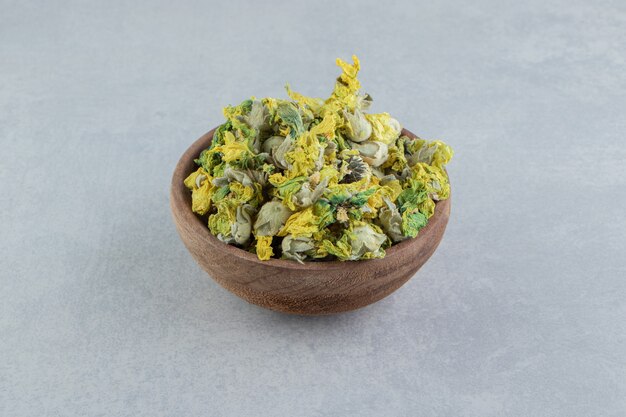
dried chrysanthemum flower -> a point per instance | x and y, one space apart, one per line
365 239
355 170
258 117
357 127
296 248
279 152
231 174
384 127
374 153
241 229
391 221
271 144
306 196
271 218
317 179
264 247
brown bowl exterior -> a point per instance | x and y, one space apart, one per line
314 288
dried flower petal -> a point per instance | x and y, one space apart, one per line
385 128
264 249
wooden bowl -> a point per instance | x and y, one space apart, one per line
314 288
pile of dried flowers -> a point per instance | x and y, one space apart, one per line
311 179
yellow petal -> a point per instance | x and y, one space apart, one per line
384 128
191 181
313 103
302 223
201 198
233 150
346 88
264 249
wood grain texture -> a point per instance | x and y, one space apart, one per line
314 288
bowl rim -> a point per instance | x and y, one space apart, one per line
180 194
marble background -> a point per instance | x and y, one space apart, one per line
521 311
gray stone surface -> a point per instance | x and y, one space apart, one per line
521 312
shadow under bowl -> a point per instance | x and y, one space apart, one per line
313 288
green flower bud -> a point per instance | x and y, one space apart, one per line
271 144
232 174
242 228
391 221
365 239
374 153
307 197
258 118
357 127
271 218
278 154
296 248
